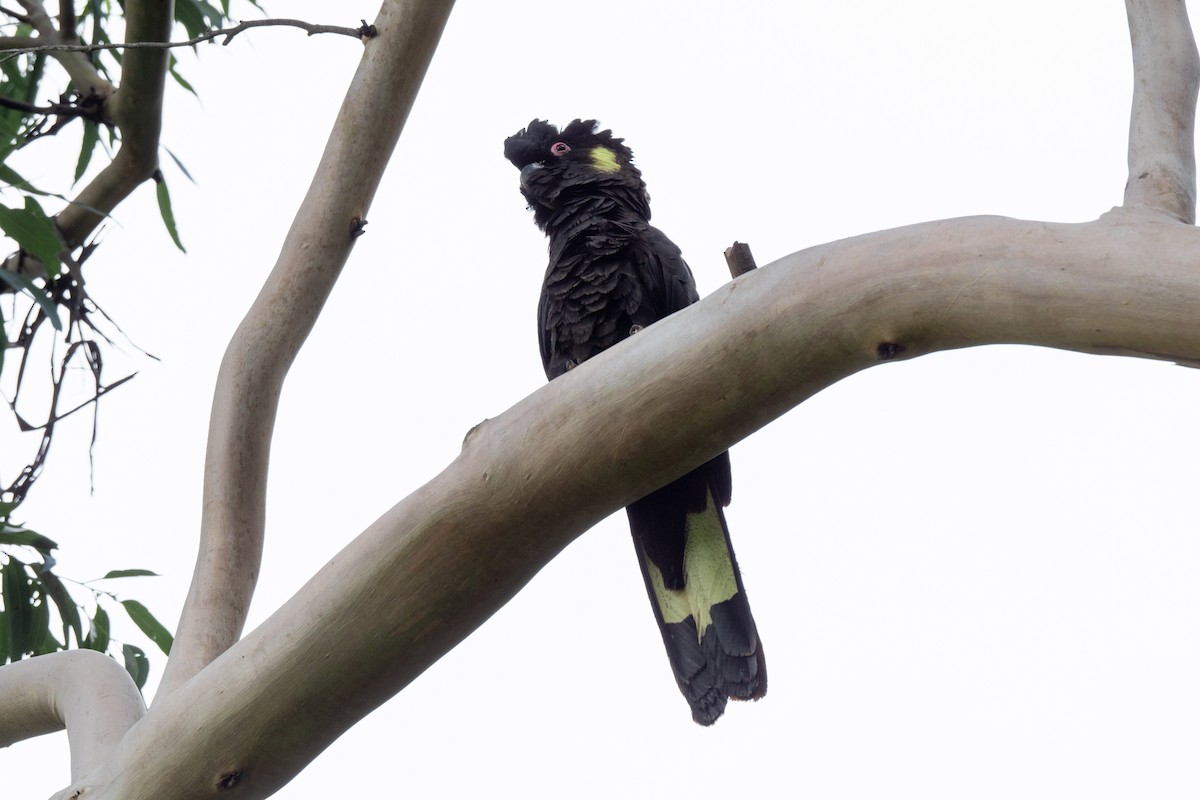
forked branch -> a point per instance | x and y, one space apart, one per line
262 349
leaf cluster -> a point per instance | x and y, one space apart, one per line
39 614
42 282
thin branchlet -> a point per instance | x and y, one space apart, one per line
364 31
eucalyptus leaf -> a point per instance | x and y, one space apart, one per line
41 640
91 138
154 630
18 613
136 664
164 208
128 573
23 284
179 164
34 233
98 636
14 179
11 534
68 609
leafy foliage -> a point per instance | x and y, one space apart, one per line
43 287
37 606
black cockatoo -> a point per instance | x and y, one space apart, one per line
611 274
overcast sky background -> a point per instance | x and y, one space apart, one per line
976 574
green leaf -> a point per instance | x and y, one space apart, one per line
164 208
97 638
128 573
189 15
211 13
41 641
179 164
14 179
136 664
23 284
68 610
18 612
34 232
91 138
10 534
23 78
150 626
9 131
171 68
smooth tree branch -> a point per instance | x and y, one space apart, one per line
85 692
79 69
262 349
1166 73
136 109
439 563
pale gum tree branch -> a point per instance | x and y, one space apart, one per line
79 69
136 109
86 692
439 563
1166 72
263 347
626 421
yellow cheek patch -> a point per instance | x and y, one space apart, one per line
605 160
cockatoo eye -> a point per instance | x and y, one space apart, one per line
560 149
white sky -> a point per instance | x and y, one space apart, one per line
974 573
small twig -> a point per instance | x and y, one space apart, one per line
91 112
364 31
739 259
28 108
66 109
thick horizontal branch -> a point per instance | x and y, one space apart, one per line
440 562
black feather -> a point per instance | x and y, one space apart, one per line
610 274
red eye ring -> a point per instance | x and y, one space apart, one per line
560 149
